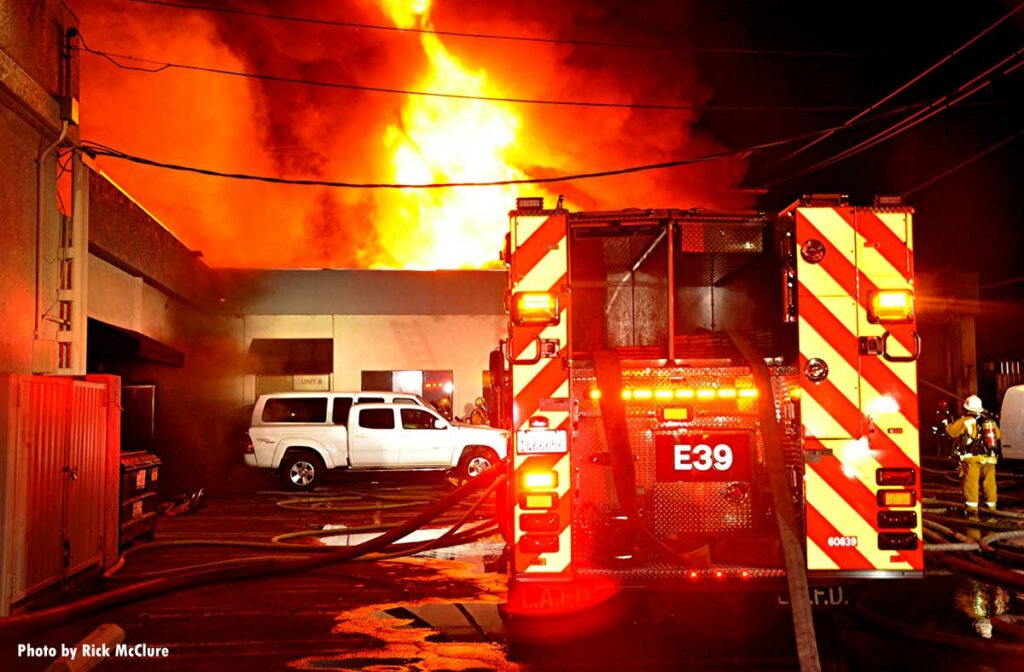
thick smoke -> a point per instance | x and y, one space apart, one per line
276 128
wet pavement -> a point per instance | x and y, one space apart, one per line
440 610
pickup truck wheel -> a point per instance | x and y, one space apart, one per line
301 471
476 462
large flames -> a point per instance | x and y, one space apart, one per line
296 131
447 140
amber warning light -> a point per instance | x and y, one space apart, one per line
897 497
534 309
891 305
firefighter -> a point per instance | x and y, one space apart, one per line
478 416
444 407
976 437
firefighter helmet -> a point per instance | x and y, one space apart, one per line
479 401
972 404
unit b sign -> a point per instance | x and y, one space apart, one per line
312 383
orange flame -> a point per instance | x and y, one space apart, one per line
448 140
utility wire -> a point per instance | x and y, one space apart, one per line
912 81
964 163
921 115
1003 283
511 38
94 149
160 66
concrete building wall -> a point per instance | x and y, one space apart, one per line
31 78
198 404
459 343
17 259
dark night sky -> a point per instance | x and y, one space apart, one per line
899 40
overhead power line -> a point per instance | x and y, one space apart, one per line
922 114
161 66
964 163
95 149
884 99
1003 283
510 38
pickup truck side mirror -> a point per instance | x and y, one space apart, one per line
440 424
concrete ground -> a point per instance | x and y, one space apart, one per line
282 622
438 610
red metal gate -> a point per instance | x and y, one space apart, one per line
59 476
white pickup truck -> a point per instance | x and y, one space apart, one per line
303 434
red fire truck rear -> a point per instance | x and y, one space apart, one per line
687 388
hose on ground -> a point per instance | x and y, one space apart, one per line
892 626
33 621
277 543
989 543
451 532
484 529
998 513
944 548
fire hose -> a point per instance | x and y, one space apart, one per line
244 568
450 537
976 567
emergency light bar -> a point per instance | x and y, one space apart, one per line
534 309
668 394
530 203
890 305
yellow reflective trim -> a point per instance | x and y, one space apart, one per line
555 562
820 283
843 376
526 226
523 374
878 269
898 223
818 422
816 558
856 460
547 271
848 522
834 228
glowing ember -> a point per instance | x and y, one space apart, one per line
446 140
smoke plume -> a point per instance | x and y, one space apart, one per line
275 128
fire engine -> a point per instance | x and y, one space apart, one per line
704 398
